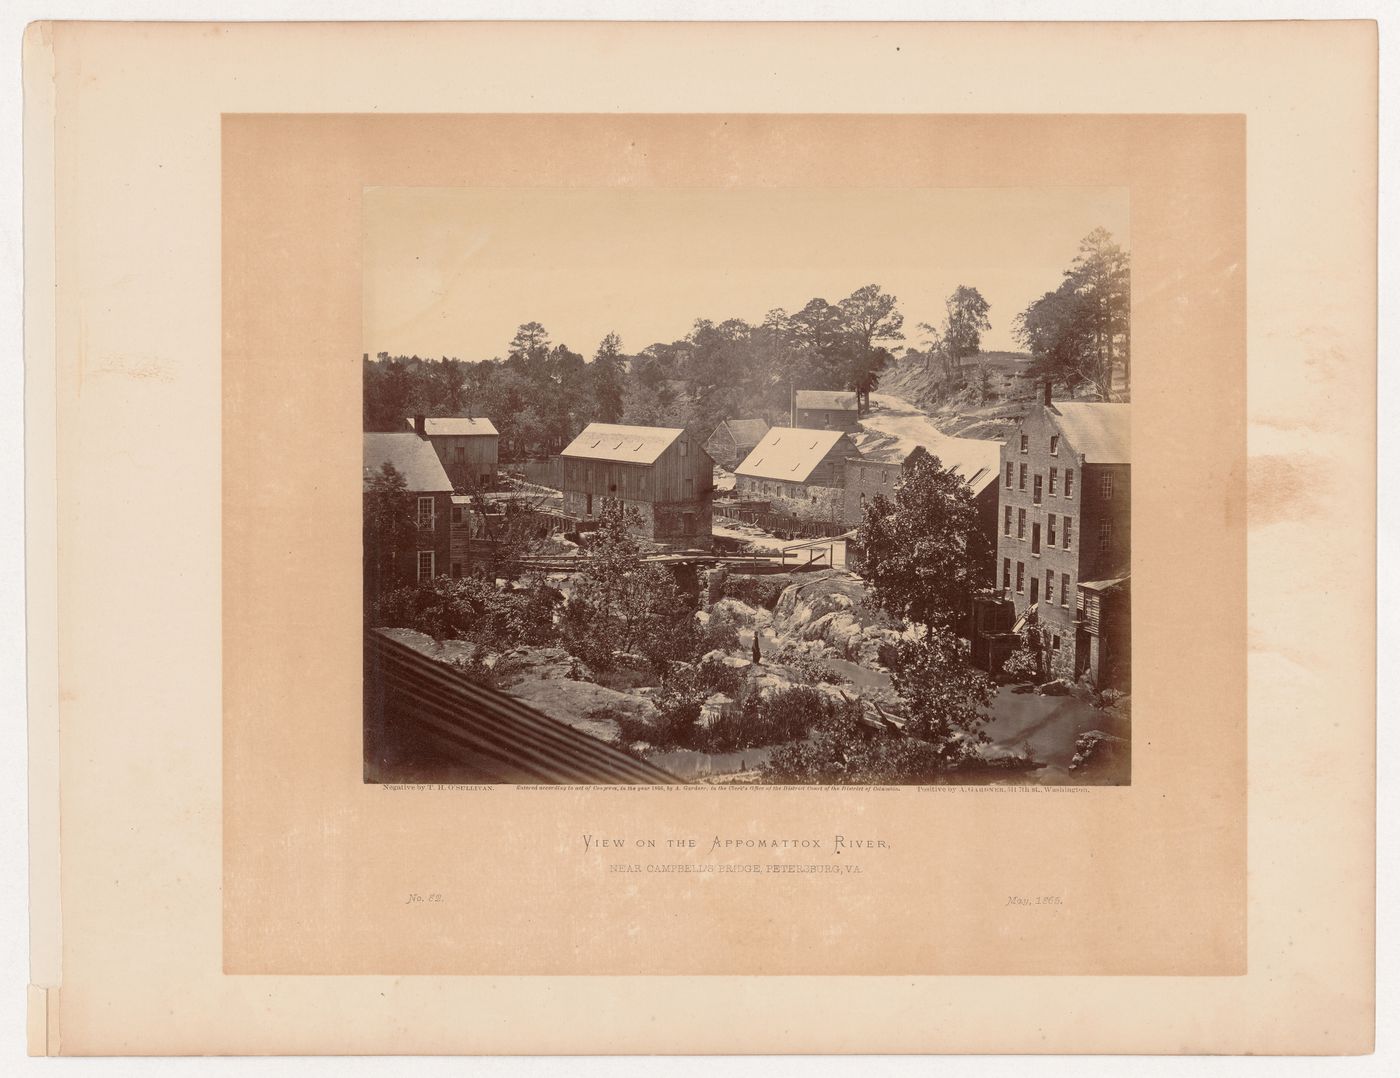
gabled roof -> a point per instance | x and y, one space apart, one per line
622 443
789 453
413 457
1098 432
455 426
744 431
974 459
815 399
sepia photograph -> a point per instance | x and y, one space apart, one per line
747 486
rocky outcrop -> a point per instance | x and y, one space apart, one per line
831 608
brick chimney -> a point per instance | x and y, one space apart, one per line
420 425
1048 400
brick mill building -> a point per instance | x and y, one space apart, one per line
734 439
1064 531
662 472
466 447
820 409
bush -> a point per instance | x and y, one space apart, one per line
782 716
1020 665
758 591
806 662
721 632
470 609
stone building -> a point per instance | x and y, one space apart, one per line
1064 524
798 465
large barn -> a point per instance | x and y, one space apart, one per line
662 472
821 409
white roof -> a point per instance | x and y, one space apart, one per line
789 453
411 456
974 459
455 426
622 443
831 400
1098 432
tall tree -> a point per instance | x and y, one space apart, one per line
606 378
965 323
390 529
924 554
870 316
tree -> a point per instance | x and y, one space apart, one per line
924 553
944 697
965 323
390 529
841 751
870 316
606 378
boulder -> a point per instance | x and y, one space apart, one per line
1058 687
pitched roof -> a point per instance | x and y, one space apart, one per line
745 431
622 443
1098 432
974 459
411 456
455 426
789 453
821 398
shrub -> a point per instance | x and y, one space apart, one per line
806 662
721 632
757 591
1020 665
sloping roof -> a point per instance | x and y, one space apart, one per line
411 456
455 426
815 399
788 453
974 459
1104 585
622 443
1099 432
745 431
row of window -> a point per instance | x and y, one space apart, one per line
1021 577
1106 489
1054 444
1064 533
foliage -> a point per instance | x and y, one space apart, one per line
390 529
924 553
622 604
841 751
808 664
470 609
721 632
943 696
760 592
1020 665
1080 333
501 674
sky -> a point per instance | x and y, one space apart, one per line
454 271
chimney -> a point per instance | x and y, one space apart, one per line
366 357
1048 401
420 425
792 413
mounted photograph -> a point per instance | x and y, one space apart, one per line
818 487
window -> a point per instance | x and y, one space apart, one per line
1069 527
1025 443
1020 576
1006 527
456 514
1069 482
683 448
1106 486
885 476
1105 535
689 487
1038 481
1035 538
1054 476
1010 468
426 564
1055 639
1054 445
1020 523
460 454
1023 477
1050 530
1049 587
1006 573
425 513
1064 589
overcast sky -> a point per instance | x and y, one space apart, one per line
453 271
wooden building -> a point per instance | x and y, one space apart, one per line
820 409
467 447
662 472
1064 518
790 462
430 492
1103 642
734 439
